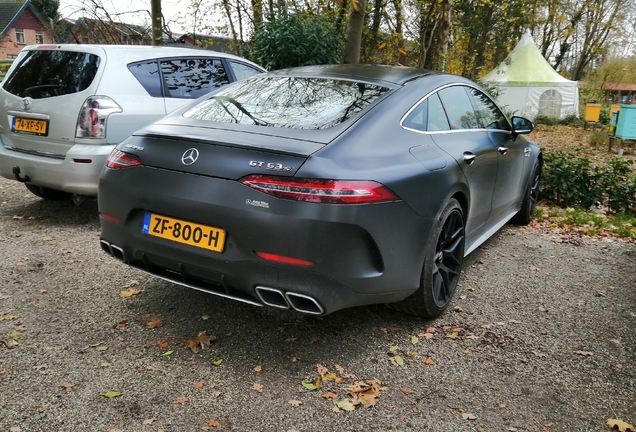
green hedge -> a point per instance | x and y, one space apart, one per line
572 181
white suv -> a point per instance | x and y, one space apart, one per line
63 108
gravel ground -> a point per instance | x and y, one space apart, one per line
540 338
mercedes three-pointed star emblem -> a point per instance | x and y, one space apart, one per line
190 156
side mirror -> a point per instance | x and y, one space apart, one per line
521 125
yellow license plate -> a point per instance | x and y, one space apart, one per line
185 232
39 127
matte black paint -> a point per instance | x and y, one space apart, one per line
361 253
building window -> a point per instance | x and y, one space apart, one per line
19 36
39 37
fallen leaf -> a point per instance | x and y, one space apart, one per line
620 425
199 384
258 387
583 353
313 340
200 342
9 318
162 344
322 370
154 323
258 368
43 407
111 394
67 386
538 354
295 402
414 340
121 324
329 395
541 309
369 400
428 361
397 360
131 292
406 390
214 423
205 317
467 416
356 339
183 399
167 353
217 362
345 405
149 421
309 385
502 406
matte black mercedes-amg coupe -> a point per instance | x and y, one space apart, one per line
320 188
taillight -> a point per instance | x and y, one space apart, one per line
321 191
93 116
118 159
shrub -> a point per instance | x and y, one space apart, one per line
545 120
572 181
597 139
296 40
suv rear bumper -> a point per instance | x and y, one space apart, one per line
77 173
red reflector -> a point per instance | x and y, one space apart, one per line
118 159
109 217
82 160
321 191
283 259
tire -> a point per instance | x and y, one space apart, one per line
530 198
443 259
47 193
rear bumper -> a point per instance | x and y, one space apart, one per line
73 173
361 254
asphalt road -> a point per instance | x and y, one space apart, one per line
541 337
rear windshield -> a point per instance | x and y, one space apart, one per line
288 102
46 73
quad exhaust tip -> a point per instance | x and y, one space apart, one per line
285 300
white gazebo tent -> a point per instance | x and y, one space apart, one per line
529 86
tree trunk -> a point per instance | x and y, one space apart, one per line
354 31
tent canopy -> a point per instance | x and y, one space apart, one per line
528 85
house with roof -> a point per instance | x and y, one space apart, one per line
94 31
20 25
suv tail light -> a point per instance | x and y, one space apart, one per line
118 159
321 191
93 116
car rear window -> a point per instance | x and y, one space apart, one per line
47 73
288 102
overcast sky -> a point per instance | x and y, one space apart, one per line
129 11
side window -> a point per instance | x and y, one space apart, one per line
192 77
147 73
437 120
418 118
459 108
488 114
241 70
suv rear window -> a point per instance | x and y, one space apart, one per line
288 102
46 73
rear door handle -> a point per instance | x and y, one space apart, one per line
469 158
503 150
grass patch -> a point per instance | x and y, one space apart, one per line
579 221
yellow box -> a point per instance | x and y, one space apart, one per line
592 112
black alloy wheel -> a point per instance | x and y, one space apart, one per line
448 258
443 259
530 198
